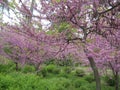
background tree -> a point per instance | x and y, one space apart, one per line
89 17
82 19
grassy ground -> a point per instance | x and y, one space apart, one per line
51 77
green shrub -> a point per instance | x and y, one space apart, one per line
79 82
3 68
79 73
63 74
84 88
5 82
65 84
56 71
28 68
42 72
50 68
15 80
67 70
110 81
62 83
89 78
107 88
50 61
7 67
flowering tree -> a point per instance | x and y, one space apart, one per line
90 17
35 47
107 54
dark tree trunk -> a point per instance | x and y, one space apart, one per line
116 81
116 76
96 73
38 66
16 66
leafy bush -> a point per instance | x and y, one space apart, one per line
110 81
67 70
65 83
107 88
79 72
23 81
50 68
7 67
79 82
56 71
89 78
62 84
28 68
84 88
5 82
15 80
42 72
62 74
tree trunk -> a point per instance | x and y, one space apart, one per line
116 81
29 18
96 73
38 66
116 76
16 66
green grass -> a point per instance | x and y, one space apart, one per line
51 77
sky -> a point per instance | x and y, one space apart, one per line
11 17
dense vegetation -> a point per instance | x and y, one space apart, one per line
77 31
50 77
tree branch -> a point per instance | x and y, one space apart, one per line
117 5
